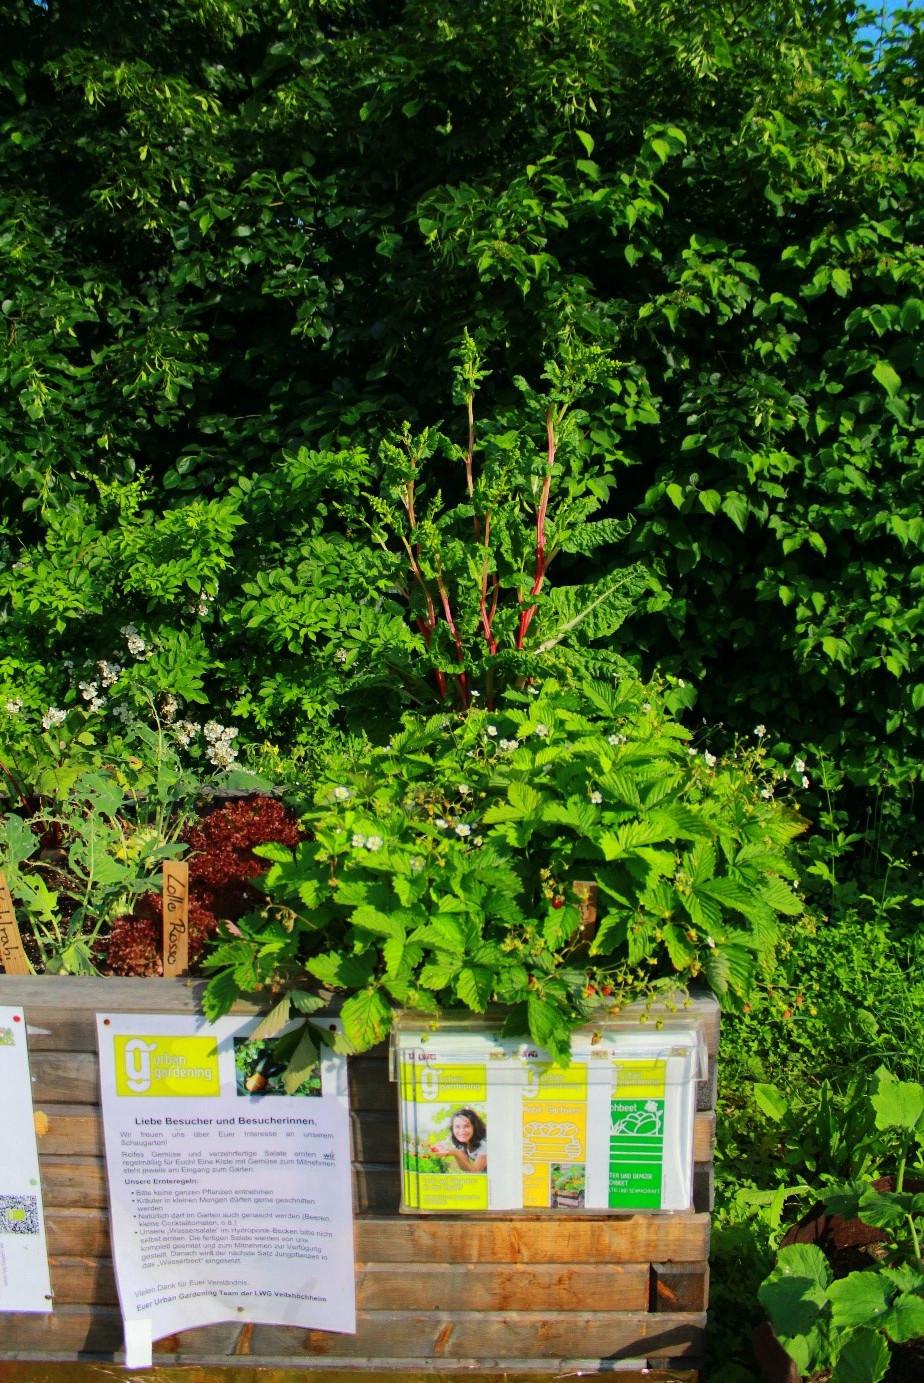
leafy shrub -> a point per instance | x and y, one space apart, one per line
846 1323
441 868
727 205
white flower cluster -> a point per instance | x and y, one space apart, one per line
90 693
596 797
340 656
219 749
52 717
169 706
135 643
509 745
108 673
201 604
615 739
361 842
710 759
13 706
541 730
185 731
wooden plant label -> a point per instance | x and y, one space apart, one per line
176 917
12 955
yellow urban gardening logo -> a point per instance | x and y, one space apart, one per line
166 1067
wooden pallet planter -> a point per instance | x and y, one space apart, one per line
528 1291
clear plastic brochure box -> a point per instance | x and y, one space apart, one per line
489 1122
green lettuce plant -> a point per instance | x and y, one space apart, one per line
440 869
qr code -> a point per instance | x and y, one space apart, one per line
19 1215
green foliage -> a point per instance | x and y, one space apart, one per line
259 231
441 868
82 857
845 1324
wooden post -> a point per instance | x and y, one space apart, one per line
12 956
176 917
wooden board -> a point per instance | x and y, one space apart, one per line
75 1129
81 1233
65 1006
431 1287
388 1335
447 1371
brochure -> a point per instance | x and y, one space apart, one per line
491 1123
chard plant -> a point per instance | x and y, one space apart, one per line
844 1327
428 573
444 869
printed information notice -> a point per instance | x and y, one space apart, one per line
24 1284
230 1199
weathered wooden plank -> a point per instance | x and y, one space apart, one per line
679 1287
630 1239
71 1330
61 1008
435 1287
64 1078
73 1182
410 1371
73 1078
79 1233
81 1181
385 1335
82 1281
494 1335
68 1129
502 1287
76 1129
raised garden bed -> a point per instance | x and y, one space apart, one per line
530 1291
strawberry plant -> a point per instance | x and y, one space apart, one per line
441 869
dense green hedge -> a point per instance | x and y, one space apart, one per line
233 230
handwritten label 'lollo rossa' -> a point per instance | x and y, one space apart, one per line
12 955
176 917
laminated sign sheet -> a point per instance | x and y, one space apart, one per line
230 1199
491 1123
24 1284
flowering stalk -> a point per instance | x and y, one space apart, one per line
542 560
460 652
425 625
487 616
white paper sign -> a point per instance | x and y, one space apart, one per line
24 1284
228 1201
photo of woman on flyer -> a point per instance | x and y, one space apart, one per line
467 1143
